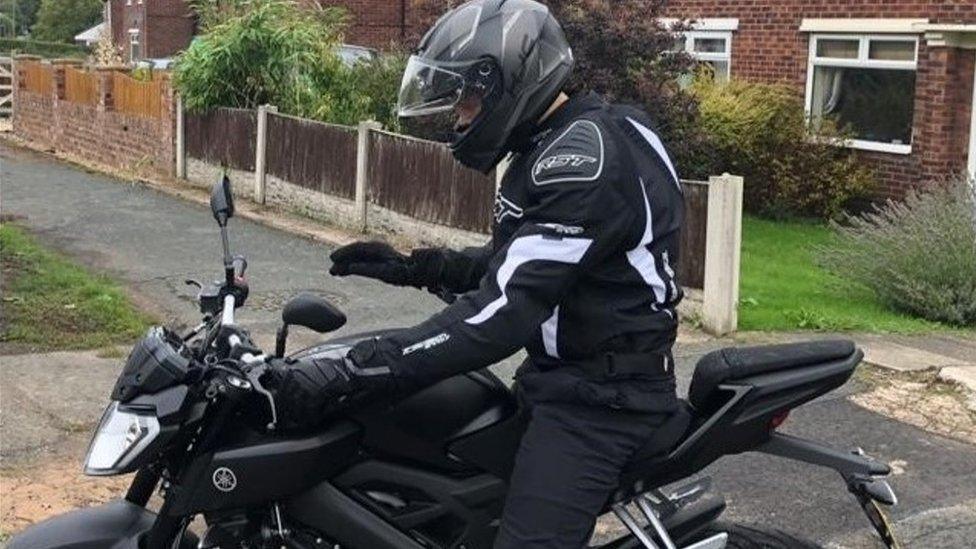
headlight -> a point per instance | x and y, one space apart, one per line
120 437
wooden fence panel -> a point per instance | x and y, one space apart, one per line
81 86
136 97
421 179
38 78
691 263
6 86
313 155
223 136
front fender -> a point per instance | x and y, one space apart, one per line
115 525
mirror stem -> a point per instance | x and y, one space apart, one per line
228 261
281 340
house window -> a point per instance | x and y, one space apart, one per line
135 45
867 85
710 48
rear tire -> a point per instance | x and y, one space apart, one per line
751 537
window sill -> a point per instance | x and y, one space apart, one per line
874 146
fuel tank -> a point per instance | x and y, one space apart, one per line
420 427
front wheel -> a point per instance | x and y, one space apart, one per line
752 537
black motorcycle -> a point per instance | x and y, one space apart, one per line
190 417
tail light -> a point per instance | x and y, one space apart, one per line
778 419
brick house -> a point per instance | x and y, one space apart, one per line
149 29
899 72
377 23
153 29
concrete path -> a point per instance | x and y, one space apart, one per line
152 242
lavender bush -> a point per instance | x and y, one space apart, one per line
919 255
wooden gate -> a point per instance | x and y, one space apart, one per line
6 87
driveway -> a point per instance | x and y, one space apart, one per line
152 242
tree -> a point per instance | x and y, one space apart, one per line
626 53
61 20
23 13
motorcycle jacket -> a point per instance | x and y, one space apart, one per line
580 267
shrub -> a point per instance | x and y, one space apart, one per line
378 81
271 52
256 52
918 256
760 131
44 49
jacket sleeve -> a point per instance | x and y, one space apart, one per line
578 223
461 271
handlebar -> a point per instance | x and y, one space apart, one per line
227 315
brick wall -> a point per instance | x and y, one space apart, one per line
169 27
165 26
380 23
768 47
95 132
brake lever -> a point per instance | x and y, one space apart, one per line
254 376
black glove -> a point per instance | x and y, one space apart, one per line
421 269
307 391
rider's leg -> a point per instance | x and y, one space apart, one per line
567 465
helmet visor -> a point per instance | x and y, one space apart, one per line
431 88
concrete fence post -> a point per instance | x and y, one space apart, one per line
180 139
723 243
362 172
261 153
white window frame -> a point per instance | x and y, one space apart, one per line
726 36
862 61
135 38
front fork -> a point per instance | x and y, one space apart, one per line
862 474
167 527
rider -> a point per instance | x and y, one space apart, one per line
578 271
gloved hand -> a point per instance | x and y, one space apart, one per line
306 391
377 260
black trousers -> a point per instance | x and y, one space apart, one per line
567 466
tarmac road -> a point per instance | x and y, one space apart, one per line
152 242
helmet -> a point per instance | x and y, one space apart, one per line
487 70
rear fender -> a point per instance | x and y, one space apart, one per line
115 525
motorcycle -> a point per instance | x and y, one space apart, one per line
190 417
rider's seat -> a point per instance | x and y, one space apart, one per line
733 363
730 364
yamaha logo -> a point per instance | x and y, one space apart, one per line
224 479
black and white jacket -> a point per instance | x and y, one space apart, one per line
580 264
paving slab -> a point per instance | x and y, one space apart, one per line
49 396
903 358
965 376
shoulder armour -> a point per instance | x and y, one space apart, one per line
576 155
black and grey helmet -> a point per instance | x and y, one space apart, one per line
496 65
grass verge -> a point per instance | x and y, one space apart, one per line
782 287
50 303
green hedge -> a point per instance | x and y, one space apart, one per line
44 49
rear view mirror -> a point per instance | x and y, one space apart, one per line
314 313
222 201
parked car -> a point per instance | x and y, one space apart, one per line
351 54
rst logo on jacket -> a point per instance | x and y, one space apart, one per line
561 160
575 155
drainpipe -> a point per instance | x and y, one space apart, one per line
403 21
